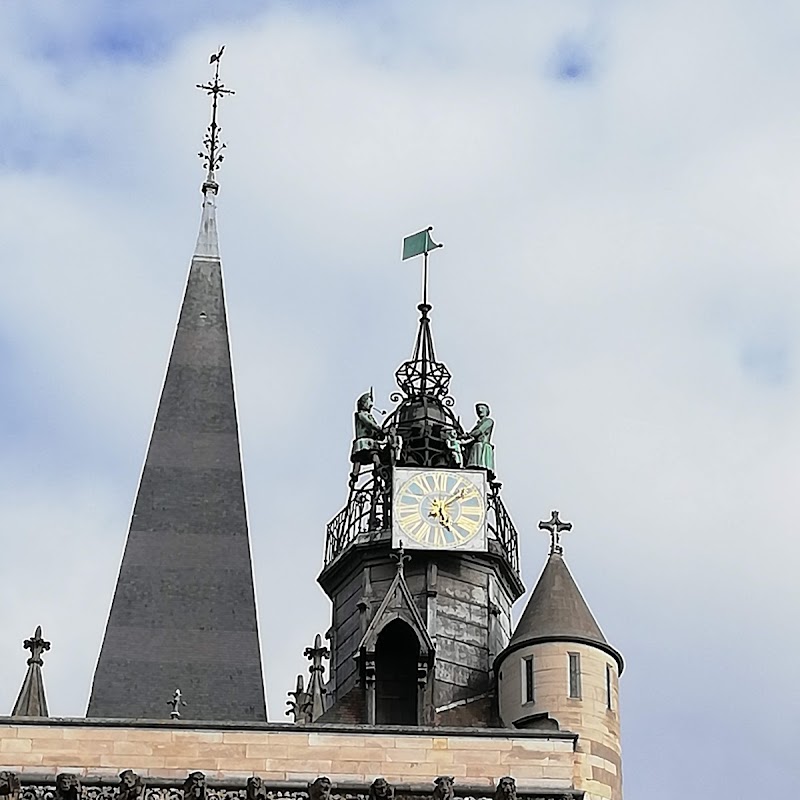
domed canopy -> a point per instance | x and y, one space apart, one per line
556 611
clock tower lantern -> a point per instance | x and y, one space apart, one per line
421 564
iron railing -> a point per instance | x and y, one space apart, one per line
368 511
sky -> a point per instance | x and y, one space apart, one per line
616 185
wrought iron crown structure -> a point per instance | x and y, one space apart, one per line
416 434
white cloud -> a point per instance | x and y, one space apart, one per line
620 258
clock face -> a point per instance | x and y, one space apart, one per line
439 509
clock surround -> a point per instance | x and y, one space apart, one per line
439 509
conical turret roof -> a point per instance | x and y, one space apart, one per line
557 611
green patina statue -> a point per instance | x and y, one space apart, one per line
479 440
369 435
453 446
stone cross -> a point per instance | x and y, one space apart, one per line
555 527
37 645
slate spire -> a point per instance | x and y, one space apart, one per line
183 612
556 611
31 701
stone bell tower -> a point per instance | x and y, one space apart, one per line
422 563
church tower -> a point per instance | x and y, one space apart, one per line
422 563
183 614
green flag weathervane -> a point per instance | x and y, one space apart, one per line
420 244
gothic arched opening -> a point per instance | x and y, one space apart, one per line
396 659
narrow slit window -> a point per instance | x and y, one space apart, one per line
608 686
527 680
575 675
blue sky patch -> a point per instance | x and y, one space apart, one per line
767 362
572 60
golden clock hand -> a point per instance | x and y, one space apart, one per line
438 511
458 496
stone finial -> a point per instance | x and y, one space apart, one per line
37 645
400 556
299 703
194 787
31 701
255 789
9 785
320 789
68 786
506 789
176 703
381 789
130 786
443 787
316 689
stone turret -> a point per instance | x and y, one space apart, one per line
559 672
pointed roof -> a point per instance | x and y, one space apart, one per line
316 689
557 611
398 603
184 611
31 701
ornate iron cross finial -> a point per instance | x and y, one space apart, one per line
37 645
400 557
176 703
213 155
555 526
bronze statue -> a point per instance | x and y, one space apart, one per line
453 446
9 785
506 789
381 789
443 787
130 786
368 433
395 444
194 787
479 439
255 789
68 787
320 789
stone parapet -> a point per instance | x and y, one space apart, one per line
289 756
32 788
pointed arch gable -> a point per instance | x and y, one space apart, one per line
398 604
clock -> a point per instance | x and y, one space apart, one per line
439 509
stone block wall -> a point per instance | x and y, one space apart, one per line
294 755
589 716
